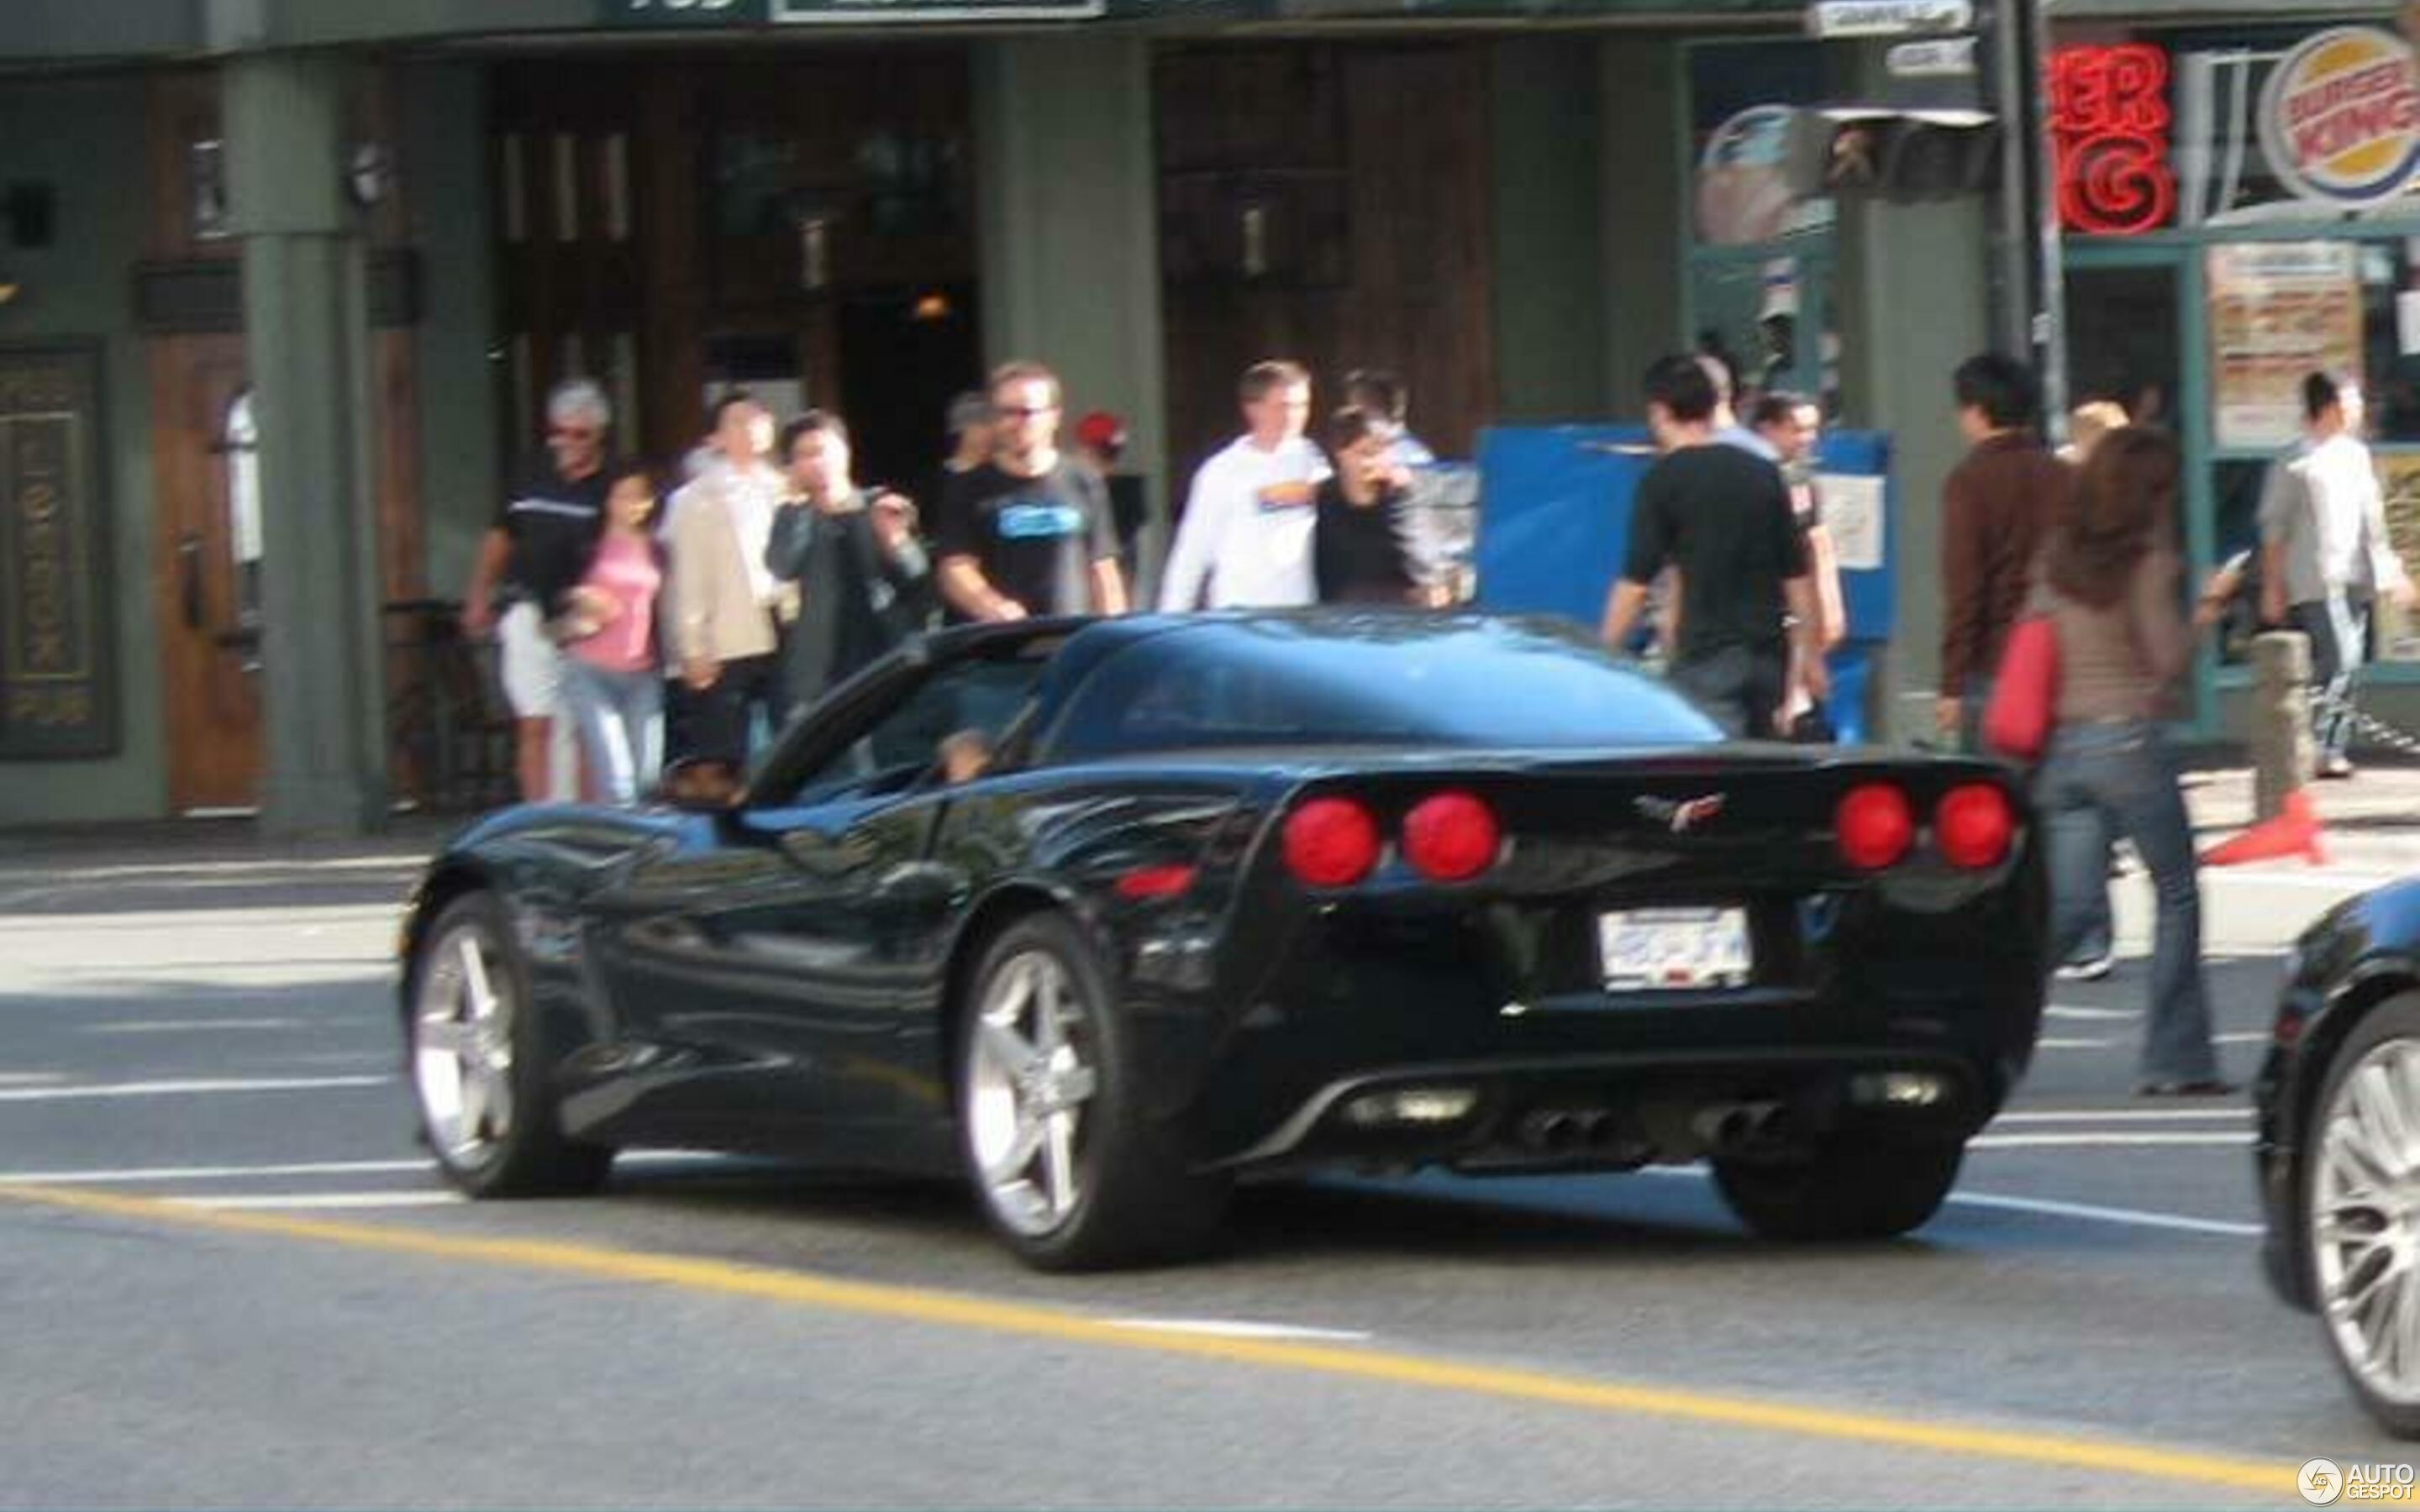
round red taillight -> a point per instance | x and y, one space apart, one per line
1973 826
1451 837
1875 826
1331 843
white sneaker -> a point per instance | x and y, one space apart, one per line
2090 969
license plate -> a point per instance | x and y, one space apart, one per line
1646 949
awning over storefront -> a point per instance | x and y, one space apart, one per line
89 31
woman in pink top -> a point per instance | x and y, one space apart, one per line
611 671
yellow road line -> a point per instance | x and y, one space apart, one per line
874 1299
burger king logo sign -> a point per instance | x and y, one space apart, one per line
2340 116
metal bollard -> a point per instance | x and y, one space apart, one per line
2283 756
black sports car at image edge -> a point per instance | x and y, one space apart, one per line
2338 1143
1108 914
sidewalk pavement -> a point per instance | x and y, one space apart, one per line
2369 823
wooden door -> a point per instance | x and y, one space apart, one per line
1326 202
207 577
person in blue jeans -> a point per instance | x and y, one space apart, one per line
2110 575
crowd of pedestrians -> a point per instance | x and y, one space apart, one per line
694 629
686 629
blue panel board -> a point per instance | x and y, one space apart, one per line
1554 514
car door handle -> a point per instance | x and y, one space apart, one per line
819 855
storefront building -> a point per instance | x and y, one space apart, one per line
282 285
2236 209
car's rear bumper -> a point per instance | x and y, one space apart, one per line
1616 1111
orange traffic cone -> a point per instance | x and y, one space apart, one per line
2295 831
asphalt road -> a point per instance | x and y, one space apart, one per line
227 1278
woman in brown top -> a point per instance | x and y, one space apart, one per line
2110 576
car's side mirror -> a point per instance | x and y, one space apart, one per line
701 786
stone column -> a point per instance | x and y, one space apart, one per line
1069 227
306 344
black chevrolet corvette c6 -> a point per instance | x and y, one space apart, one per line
1227 896
2338 1150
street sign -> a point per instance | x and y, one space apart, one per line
1952 57
1833 20
839 13
680 12
860 12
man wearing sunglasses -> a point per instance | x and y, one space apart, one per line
530 559
1029 532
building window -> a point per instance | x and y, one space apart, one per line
1760 258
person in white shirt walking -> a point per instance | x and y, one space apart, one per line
2324 554
1245 540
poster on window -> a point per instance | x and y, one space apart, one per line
2399 479
2278 310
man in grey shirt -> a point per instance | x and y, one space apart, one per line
2324 554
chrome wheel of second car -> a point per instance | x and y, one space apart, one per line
1031 1078
2365 1219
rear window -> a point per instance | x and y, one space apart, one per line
1407 678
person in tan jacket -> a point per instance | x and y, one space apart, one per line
727 609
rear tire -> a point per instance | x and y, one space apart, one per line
1846 1188
1073 1175
477 1065
2357 1214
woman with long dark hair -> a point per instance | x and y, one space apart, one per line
2111 574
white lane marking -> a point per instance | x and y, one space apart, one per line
189 1026
2222 1110
235 868
2071 1011
308 1200
2249 1037
214 1173
2324 878
82 1092
2093 1140
2091 1212
30 1078
1233 1328
2055 1041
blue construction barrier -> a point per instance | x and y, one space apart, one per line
1554 519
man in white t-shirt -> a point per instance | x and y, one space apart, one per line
2326 554
1245 540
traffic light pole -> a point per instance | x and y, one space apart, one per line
2050 333
2032 315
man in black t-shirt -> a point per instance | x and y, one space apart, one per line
537 552
1028 532
1722 516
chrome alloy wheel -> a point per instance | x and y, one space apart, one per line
1029 1080
2364 1220
462 1046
